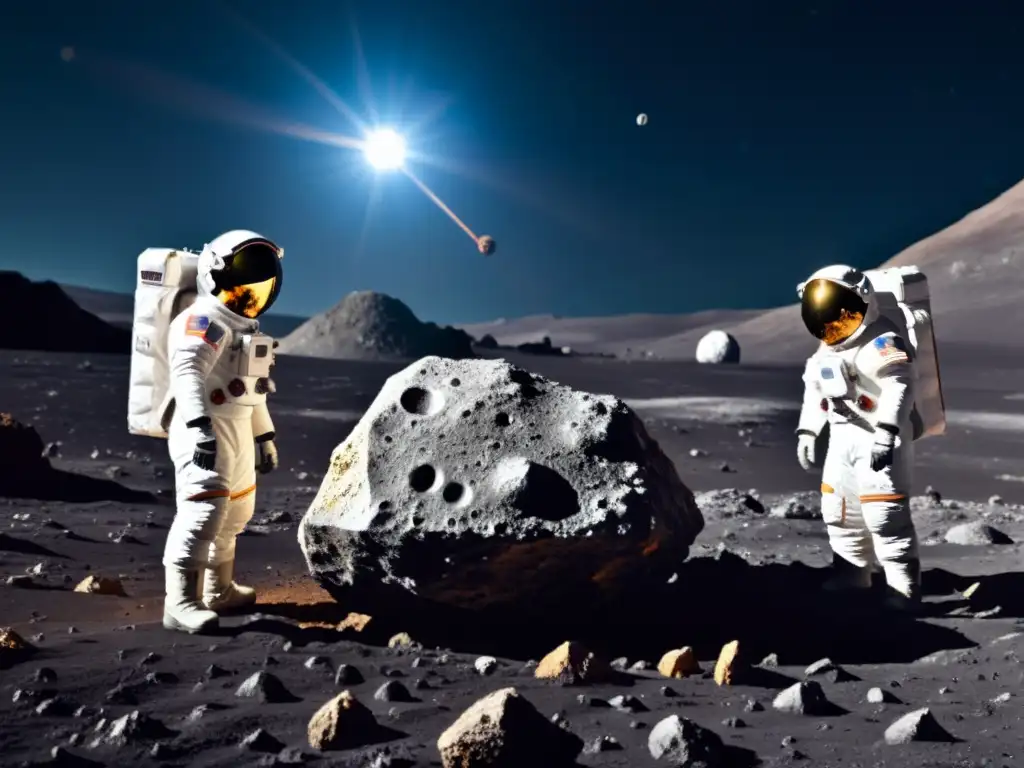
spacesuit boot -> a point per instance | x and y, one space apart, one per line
222 594
183 610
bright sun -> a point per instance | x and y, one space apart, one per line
385 150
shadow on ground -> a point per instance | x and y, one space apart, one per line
58 485
773 608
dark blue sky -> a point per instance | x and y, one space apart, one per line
782 136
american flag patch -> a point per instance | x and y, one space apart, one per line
891 348
200 325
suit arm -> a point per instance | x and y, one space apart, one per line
812 417
191 362
262 424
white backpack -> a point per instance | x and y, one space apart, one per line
166 285
903 297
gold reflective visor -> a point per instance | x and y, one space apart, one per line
249 300
831 312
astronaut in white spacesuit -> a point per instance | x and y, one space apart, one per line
861 382
220 432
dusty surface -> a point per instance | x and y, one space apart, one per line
741 583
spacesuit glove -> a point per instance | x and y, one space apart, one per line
205 454
267 456
881 450
805 451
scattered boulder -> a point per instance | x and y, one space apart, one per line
101 585
472 472
878 695
829 670
348 675
372 326
132 728
680 741
806 698
13 648
919 725
718 347
21 447
976 534
572 664
485 665
266 688
504 730
729 667
401 640
679 663
342 723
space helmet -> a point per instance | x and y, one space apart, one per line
836 304
243 270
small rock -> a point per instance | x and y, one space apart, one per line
771 661
680 741
100 585
728 668
629 704
266 688
348 675
753 705
976 534
734 722
393 691
317 662
261 741
401 640
602 744
679 663
881 696
572 664
806 698
341 723
502 729
919 725
485 665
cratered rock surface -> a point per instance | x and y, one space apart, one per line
478 485
717 347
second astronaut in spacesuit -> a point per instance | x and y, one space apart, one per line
220 430
861 382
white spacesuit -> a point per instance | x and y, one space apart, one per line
861 381
218 426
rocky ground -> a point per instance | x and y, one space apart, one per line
248 695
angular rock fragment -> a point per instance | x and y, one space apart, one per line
572 664
919 725
729 667
100 585
342 723
806 698
680 741
680 662
472 472
504 730
976 534
266 688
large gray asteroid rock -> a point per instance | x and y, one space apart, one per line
477 485
718 347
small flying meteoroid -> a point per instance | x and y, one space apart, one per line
641 119
385 150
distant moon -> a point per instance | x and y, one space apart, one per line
641 119
67 53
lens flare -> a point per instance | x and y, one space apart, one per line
385 150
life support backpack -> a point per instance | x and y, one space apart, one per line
165 286
903 298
